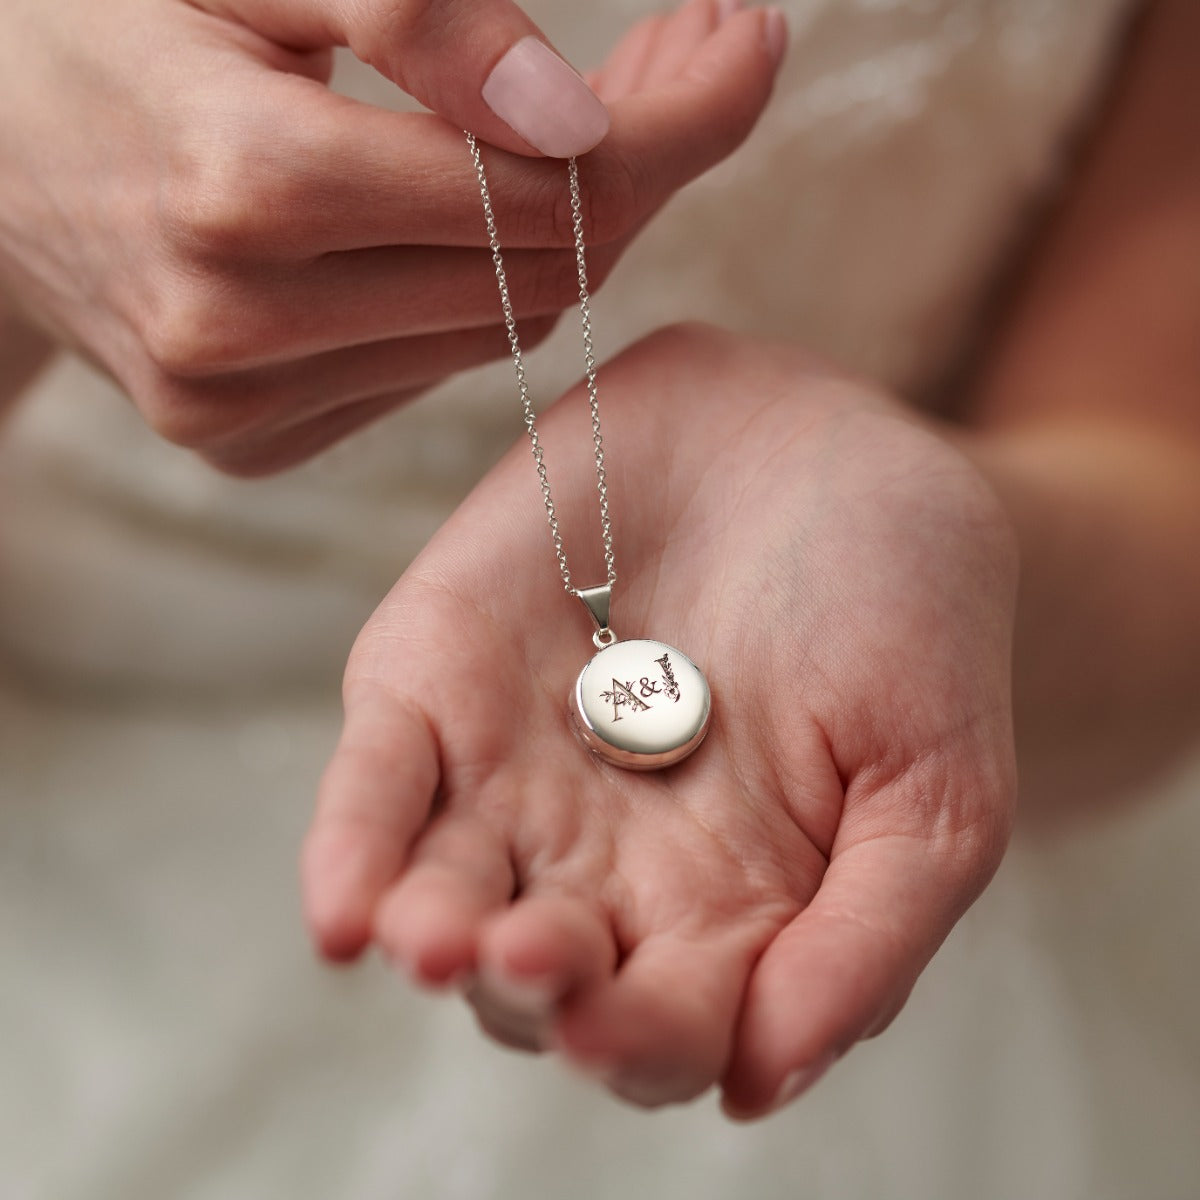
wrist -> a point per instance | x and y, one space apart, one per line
1107 648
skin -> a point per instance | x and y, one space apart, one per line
264 266
853 796
744 918
846 573
1086 419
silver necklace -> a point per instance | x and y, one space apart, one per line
639 704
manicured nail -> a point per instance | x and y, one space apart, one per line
775 34
545 101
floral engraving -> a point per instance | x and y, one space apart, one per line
637 697
671 688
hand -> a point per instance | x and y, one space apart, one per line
264 265
845 579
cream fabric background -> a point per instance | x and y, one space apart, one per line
172 643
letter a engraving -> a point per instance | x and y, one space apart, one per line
622 693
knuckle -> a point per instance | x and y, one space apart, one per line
411 16
197 325
223 199
178 337
389 26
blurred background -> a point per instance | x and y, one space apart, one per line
171 645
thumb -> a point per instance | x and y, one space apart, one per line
844 967
482 64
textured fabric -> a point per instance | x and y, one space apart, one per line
173 643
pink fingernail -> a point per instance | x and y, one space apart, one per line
726 9
543 100
775 34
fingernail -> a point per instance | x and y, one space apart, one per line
726 9
528 996
794 1084
544 100
775 34
797 1082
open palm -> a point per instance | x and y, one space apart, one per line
846 582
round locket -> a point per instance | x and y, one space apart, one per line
641 705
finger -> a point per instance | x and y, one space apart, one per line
543 949
364 296
715 97
373 798
622 70
662 138
249 410
269 455
530 959
321 172
518 1028
483 65
660 1031
430 920
267 317
842 969
681 35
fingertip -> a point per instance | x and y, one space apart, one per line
436 955
818 990
775 35
673 132
793 1085
545 101
339 930
660 1031
843 968
430 920
373 798
547 946
335 912
338 945
745 36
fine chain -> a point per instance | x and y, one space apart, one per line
589 358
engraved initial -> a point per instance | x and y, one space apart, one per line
622 693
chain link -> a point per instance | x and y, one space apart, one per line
589 358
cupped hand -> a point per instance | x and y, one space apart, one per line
264 265
845 579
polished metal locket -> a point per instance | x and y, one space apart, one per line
639 704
